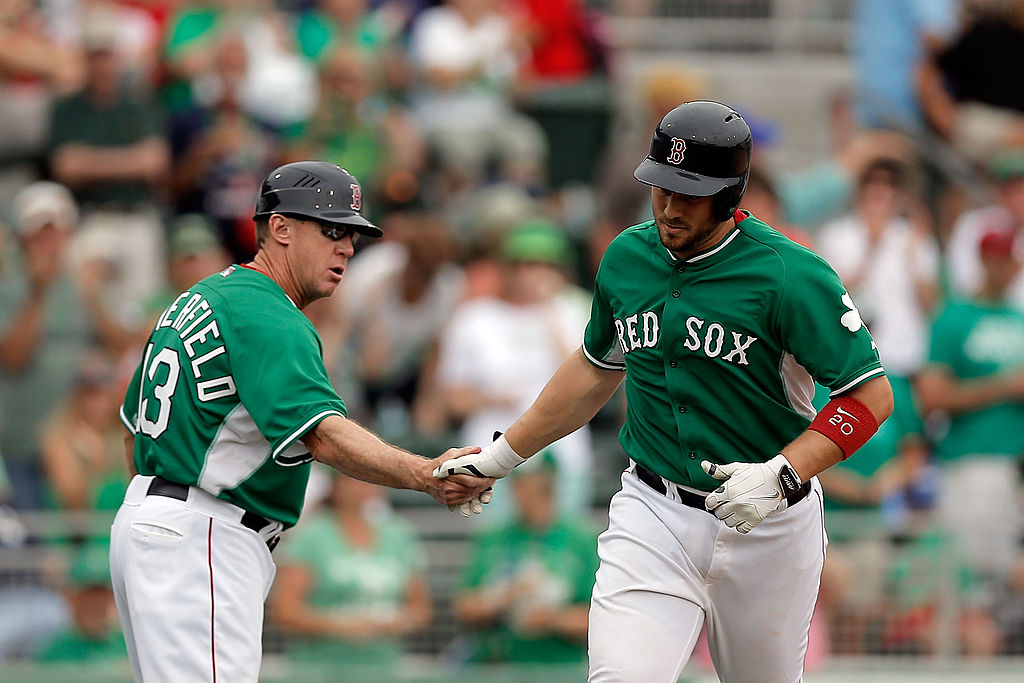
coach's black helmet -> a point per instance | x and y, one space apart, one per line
315 190
700 149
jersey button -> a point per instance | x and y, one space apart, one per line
675 294
680 268
673 364
682 409
693 455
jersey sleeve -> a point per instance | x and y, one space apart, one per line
601 344
279 372
129 410
821 326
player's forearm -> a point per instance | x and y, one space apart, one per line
570 400
813 452
358 452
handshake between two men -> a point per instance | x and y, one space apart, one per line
749 493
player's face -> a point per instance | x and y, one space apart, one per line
686 224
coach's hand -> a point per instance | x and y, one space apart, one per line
751 491
464 492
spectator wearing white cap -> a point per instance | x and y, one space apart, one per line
48 320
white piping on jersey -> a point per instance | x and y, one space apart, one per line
799 385
127 423
302 430
602 364
855 382
717 249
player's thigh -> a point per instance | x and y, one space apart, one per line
647 606
761 605
639 635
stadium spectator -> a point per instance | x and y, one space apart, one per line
497 352
975 376
83 444
888 259
351 581
107 145
356 127
762 200
93 640
221 152
963 260
464 61
193 252
280 87
48 320
891 38
34 68
969 100
525 591
408 288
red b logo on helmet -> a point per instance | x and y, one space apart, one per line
357 197
675 155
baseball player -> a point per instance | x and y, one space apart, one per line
227 409
718 323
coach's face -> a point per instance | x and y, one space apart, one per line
686 224
318 257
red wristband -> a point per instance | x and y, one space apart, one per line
847 422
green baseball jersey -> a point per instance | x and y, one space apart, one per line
974 340
721 349
231 377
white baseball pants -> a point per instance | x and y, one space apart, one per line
190 582
667 569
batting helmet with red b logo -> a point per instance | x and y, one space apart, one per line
700 149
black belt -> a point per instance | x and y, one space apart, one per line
695 500
250 520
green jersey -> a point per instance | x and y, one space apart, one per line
974 340
721 349
231 377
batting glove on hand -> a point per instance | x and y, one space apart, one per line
496 460
475 506
751 491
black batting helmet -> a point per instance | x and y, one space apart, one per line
700 149
316 190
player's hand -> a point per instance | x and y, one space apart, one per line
496 460
464 492
751 491
475 506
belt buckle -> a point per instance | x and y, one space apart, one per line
273 541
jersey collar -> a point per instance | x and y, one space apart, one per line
708 256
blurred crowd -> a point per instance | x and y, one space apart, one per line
496 152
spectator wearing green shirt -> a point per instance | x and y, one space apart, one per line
94 636
975 376
526 589
351 582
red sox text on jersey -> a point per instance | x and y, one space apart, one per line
641 331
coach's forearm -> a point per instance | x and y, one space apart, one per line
570 400
358 452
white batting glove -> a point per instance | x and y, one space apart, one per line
496 459
475 506
751 491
